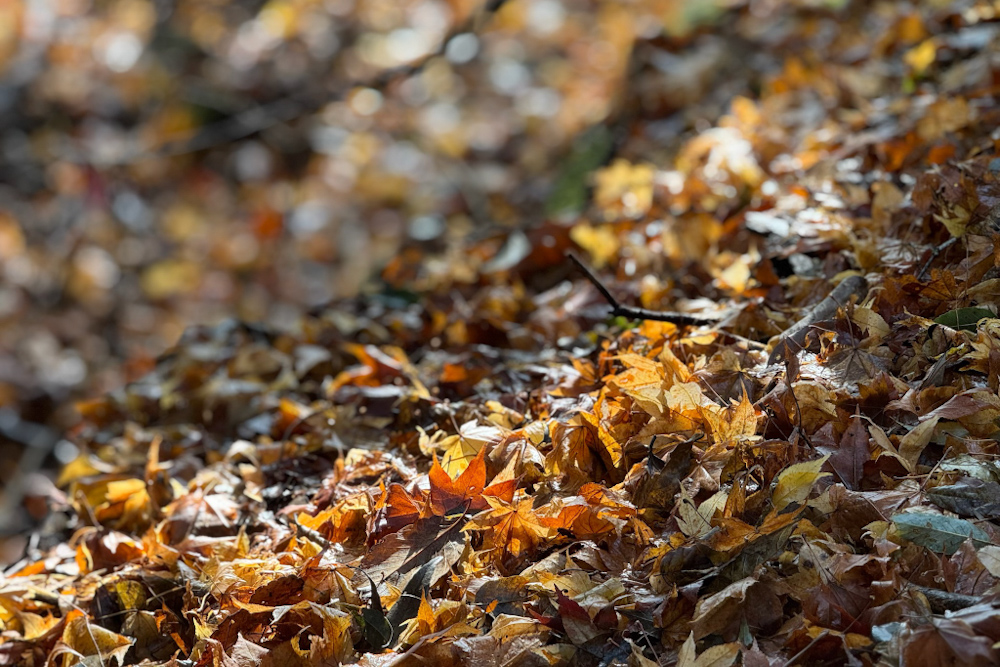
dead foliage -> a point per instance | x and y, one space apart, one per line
481 468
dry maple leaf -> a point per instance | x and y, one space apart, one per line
512 528
466 492
733 424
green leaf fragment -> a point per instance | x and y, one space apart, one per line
964 318
939 533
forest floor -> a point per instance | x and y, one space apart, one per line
788 457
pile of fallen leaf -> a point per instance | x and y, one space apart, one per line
478 467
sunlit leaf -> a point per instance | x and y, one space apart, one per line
796 482
92 640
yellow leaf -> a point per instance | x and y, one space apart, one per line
815 403
685 397
131 594
737 273
722 655
80 467
735 423
600 242
507 627
610 445
34 626
955 219
643 382
536 432
921 56
113 501
202 630
625 189
676 370
796 482
88 640
873 323
460 449
170 277
426 613
645 368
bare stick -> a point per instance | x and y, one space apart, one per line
794 337
989 225
632 313
937 250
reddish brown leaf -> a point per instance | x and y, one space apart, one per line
849 459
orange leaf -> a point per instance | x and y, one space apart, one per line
513 528
463 492
398 508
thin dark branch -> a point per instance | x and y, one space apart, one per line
935 251
608 296
795 336
630 312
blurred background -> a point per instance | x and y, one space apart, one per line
171 162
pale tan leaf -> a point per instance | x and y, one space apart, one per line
687 654
989 556
882 440
914 442
722 655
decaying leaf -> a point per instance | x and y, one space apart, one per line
438 448
937 532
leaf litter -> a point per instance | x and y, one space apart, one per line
498 473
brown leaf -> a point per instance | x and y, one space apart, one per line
849 459
946 641
399 555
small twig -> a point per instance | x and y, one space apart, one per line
315 536
795 336
633 313
937 250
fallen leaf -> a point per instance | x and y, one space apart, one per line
939 533
796 482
